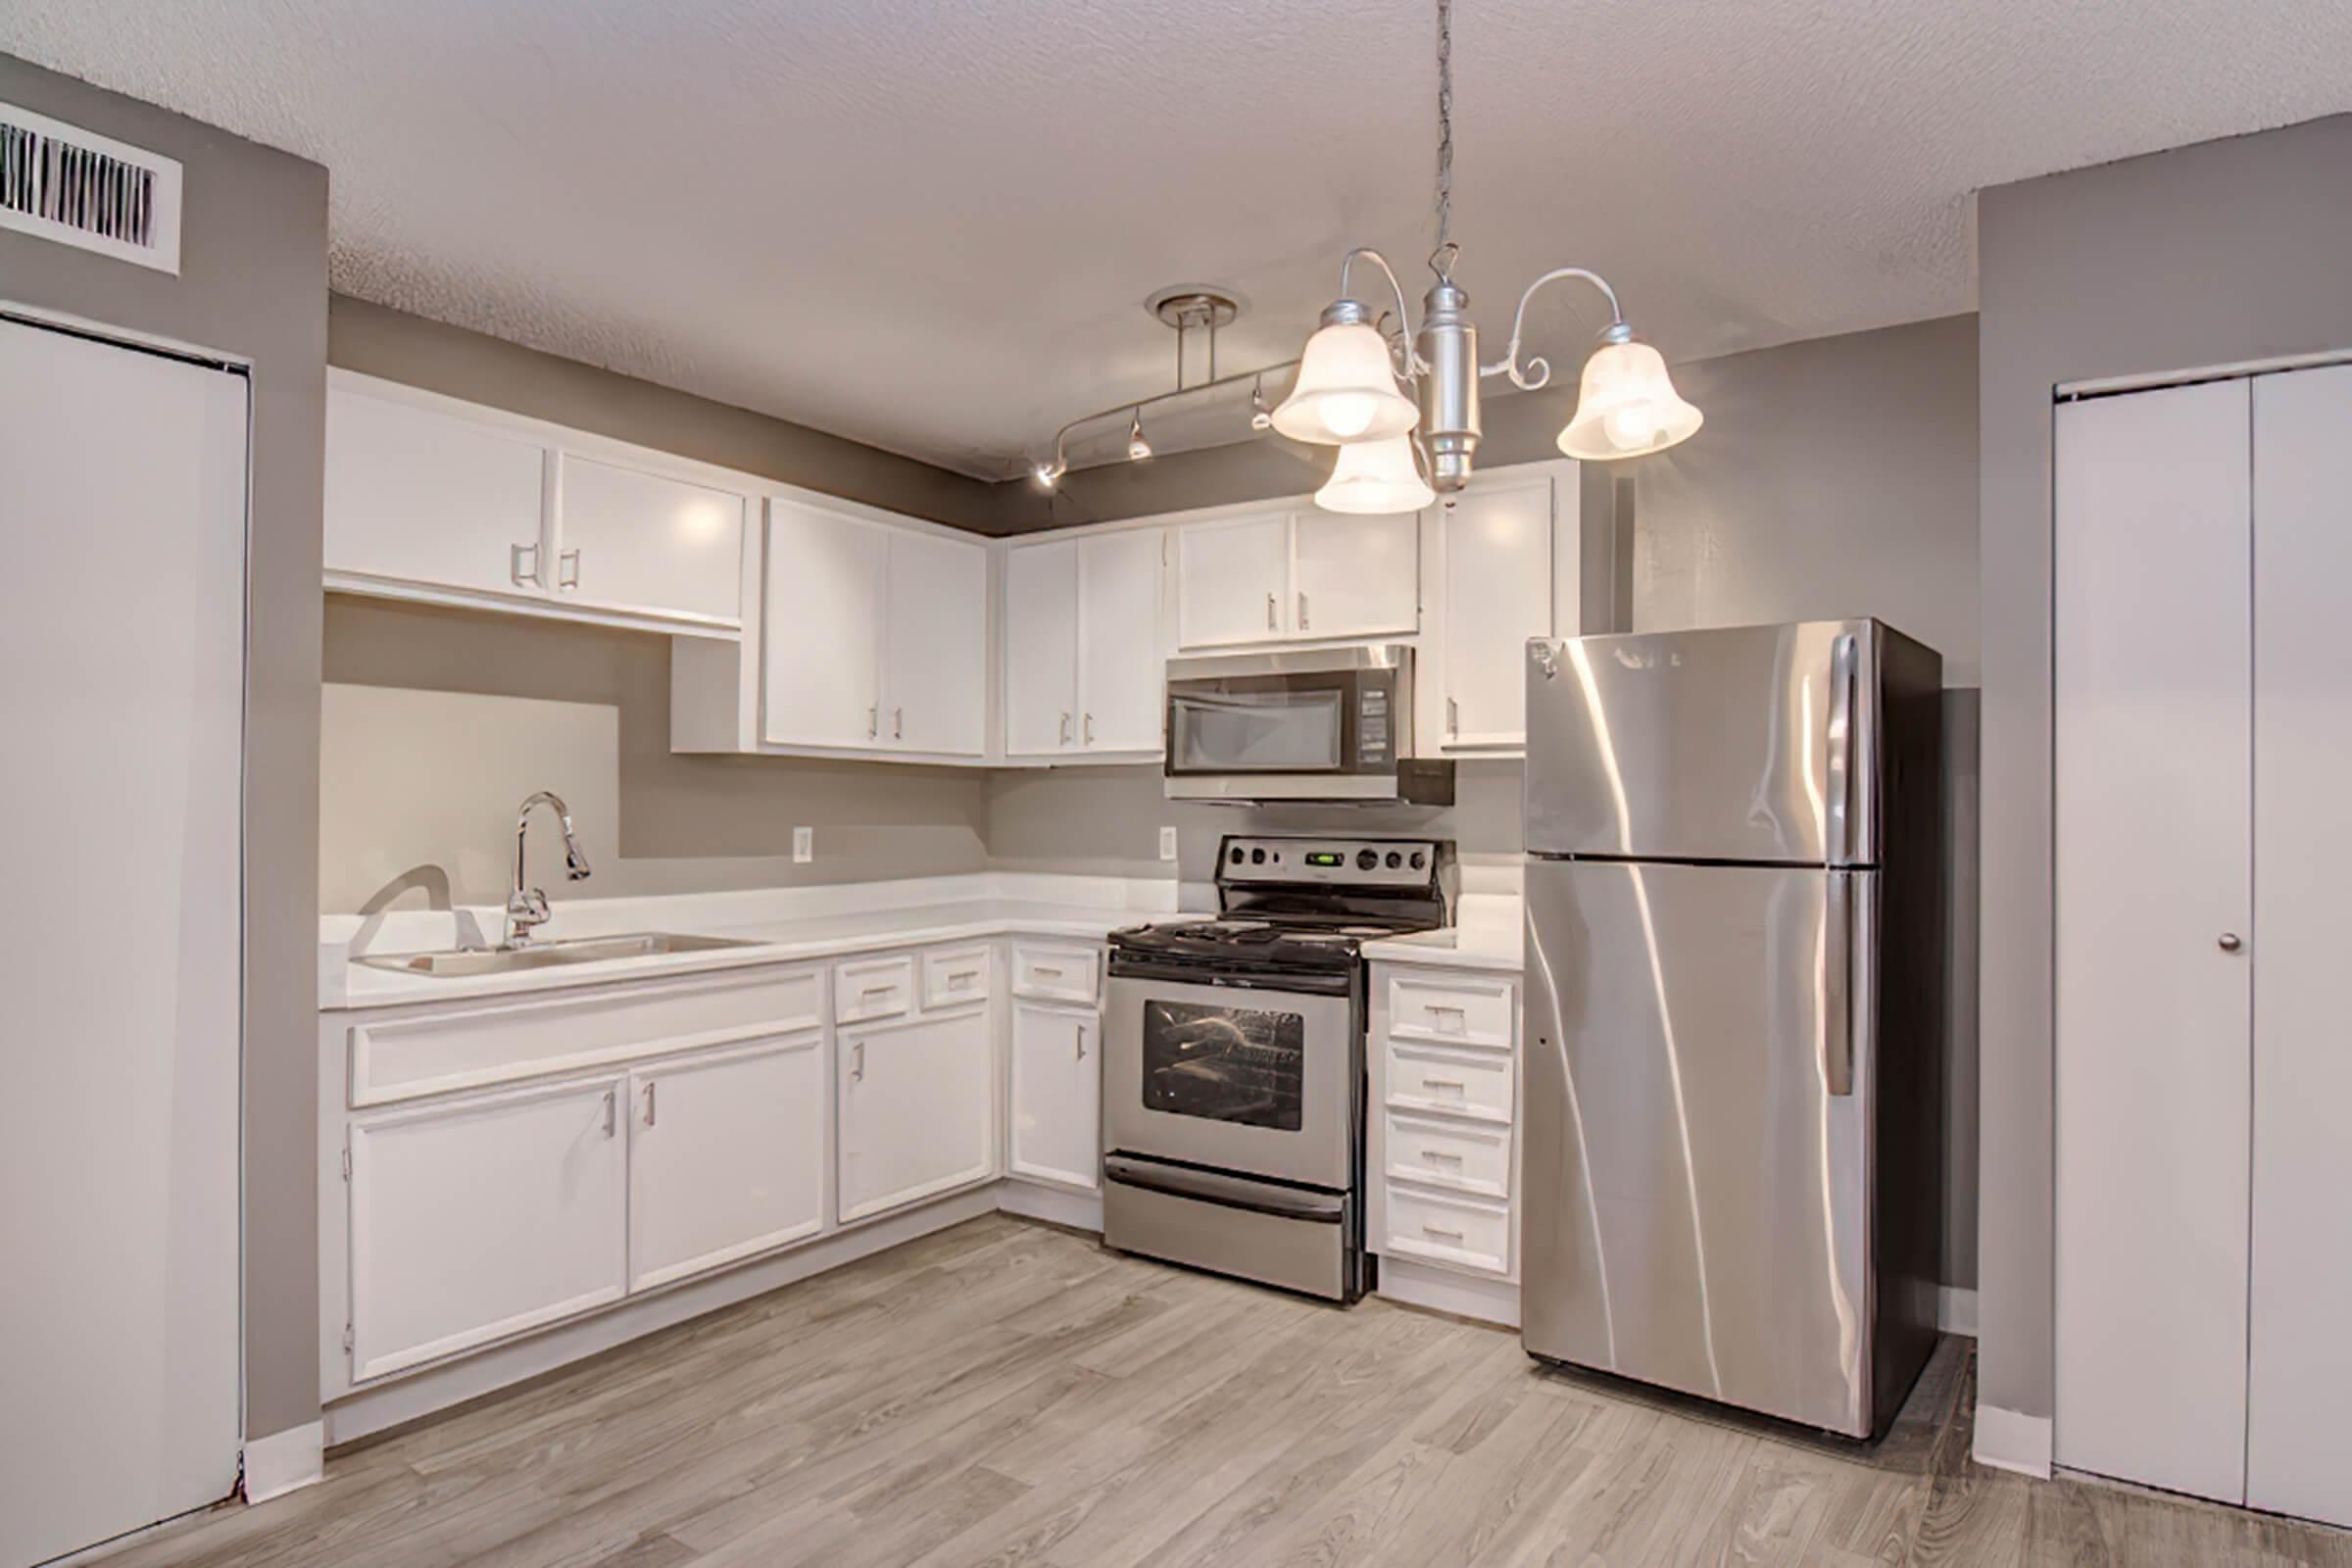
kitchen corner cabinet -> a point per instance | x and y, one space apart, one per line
917 1109
1056 1093
483 1217
1282 576
431 499
726 1157
1505 563
1082 652
875 638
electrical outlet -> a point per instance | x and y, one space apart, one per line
1167 844
804 845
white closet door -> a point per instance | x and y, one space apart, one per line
2153 843
2300 1385
122 676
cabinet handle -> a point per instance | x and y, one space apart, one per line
1089 729
2229 942
1066 730
1447 1231
1453 717
1272 610
873 722
1079 1031
568 570
1440 1156
649 1105
612 1111
1045 970
1454 1083
875 990
858 1063
1302 609
898 724
514 571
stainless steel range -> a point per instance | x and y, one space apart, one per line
1233 1067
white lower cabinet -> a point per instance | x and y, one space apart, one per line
919 1110
1057 1094
481 1217
726 1157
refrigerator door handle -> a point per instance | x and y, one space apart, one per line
1838 808
1839 939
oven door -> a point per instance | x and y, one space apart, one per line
1234 1076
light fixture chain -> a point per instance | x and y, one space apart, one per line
1444 124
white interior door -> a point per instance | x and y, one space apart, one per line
1355 576
1233 579
626 540
2153 840
919 1110
419 496
1057 1094
823 631
122 674
1122 665
726 1157
1497 539
2299 1382
935 646
1041 648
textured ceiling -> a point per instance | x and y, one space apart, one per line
931 226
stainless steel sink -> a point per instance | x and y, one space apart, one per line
549 954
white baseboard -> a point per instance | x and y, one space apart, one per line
1057 1205
284 1461
437 1388
2010 1440
1956 1310
1441 1290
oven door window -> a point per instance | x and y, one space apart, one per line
1288 731
1231 1065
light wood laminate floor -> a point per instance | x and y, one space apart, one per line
1008 1393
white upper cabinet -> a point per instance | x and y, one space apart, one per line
935 645
414 495
1355 576
1083 654
1508 560
640 541
1233 580
431 499
826 578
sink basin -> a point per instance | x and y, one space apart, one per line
549 954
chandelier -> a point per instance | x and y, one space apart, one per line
1402 406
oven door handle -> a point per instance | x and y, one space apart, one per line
1231 1192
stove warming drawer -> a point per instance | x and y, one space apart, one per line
1280 1236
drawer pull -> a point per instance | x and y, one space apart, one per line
1441 1156
1047 970
1448 1231
876 991
1454 1083
961 978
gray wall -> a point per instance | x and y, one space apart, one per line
252 283
2222 252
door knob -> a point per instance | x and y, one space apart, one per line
2229 942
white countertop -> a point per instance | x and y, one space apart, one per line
1487 935
783 925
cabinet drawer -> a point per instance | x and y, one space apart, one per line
873 988
1464 1157
1461 1083
1055 973
1456 1011
403 1057
954 976
1465 1232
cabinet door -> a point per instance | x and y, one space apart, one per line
918 1112
935 658
1041 648
823 627
726 1157
1498 543
626 540
1355 576
1121 663
1057 1094
482 1217
1233 580
424 497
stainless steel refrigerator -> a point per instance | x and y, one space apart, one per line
1734 1013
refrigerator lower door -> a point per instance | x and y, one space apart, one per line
1698 1155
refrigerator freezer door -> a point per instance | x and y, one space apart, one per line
1750 743
1697 1198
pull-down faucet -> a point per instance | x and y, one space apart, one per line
526 909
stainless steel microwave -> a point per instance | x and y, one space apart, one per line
1303 724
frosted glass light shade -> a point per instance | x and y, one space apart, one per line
1627 405
1346 391
1376 478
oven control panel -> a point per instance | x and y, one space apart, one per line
1328 863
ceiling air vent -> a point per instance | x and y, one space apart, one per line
66 185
